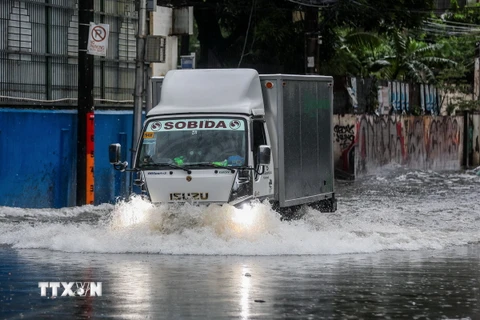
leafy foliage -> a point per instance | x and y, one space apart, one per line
356 53
464 105
413 60
263 33
258 32
364 38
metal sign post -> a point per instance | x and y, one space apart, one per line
85 98
98 39
139 81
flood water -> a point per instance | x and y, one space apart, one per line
403 245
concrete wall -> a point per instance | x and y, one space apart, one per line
474 140
362 143
38 156
344 144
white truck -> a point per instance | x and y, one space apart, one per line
234 136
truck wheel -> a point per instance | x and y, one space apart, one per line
288 213
327 205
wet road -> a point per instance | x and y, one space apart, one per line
403 245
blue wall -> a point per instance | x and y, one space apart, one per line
38 157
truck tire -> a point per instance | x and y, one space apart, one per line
288 213
327 205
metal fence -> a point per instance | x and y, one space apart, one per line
39 52
382 97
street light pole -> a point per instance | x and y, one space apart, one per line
85 100
311 40
139 80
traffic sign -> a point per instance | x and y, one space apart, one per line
98 39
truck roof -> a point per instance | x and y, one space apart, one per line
210 91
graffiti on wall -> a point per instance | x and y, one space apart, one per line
344 135
473 145
344 138
475 156
443 143
380 141
417 142
362 143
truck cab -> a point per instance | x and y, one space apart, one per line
204 159
206 141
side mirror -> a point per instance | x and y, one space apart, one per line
264 155
114 152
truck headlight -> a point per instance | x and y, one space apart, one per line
244 216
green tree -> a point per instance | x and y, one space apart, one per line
264 33
413 60
376 16
357 53
457 31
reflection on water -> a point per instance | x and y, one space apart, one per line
403 244
245 286
434 284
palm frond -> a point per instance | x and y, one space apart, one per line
378 65
400 42
438 61
367 39
429 48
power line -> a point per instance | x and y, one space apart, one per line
453 27
454 22
314 3
443 33
446 29
246 33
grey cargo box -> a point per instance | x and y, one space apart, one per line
299 114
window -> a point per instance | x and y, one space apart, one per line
19 32
258 137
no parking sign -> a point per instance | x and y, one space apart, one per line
98 39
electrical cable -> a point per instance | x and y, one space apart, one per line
246 34
454 22
325 3
453 28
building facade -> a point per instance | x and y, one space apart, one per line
39 52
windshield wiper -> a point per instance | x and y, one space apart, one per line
171 165
211 165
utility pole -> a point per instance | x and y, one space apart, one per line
311 40
85 99
468 144
476 75
139 79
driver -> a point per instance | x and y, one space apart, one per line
221 148
233 151
235 160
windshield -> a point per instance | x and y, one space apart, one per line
207 142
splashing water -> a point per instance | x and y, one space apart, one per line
393 210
